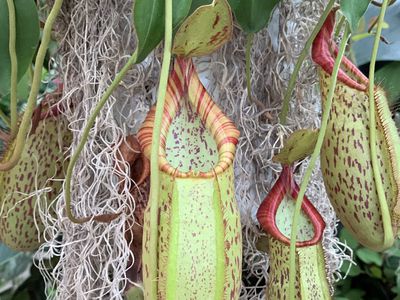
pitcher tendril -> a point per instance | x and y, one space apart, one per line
31 103
308 173
85 135
303 54
14 66
249 43
388 236
154 158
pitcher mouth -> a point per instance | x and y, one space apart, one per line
266 215
324 52
184 85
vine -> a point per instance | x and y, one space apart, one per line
85 135
388 233
152 205
31 103
14 67
292 81
249 43
307 175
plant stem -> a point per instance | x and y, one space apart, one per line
303 54
308 173
249 43
31 103
5 118
14 66
152 206
386 219
85 134
339 26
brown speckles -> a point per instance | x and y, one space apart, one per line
351 169
40 161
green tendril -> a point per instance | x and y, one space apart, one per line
31 103
339 26
85 134
386 219
14 67
5 118
249 44
303 54
152 206
308 173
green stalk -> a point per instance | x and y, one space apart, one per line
85 134
307 175
5 118
386 219
339 26
303 54
31 103
14 66
154 157
249 43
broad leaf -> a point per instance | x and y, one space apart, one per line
234 4
353 11
149 21
253 15
369 256
180 10
354 271
388 77
207 29
346 237
27 38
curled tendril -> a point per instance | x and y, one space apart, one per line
31 103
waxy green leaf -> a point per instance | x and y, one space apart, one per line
148 18
353 11
369 257
27 38
253 15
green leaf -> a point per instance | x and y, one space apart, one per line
376 272
197 3
354 271
353 11
27 31
369 257
345 236
388 77
389 273
355 294
253 15
148 18
180 11
23 87
234 4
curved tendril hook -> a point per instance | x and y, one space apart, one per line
26 119
81 144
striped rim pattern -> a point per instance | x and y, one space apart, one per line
184 82
268 209
324 52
